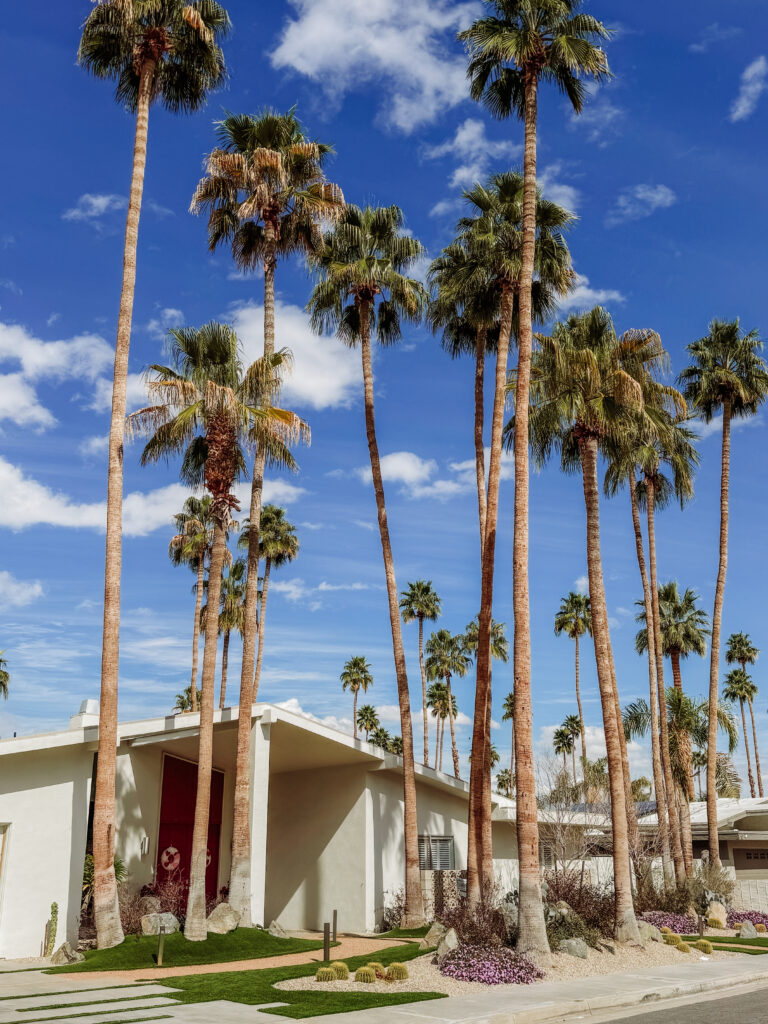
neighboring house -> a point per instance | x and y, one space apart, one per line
326 820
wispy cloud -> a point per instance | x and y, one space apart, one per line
16 593
419 478
473 152
166 318
92 206
712 35
753 83
638 202
715 425
584 296
600 118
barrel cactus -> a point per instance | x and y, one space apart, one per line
397 972
340 969
715 922
365 974
325 974
672 938
665 930
683 947
376 967
761 929
703 946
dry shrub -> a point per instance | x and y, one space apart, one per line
480 924
595 905
394 911
130 911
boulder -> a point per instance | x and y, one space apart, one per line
747 930
718 911
151 923
449 941
434 936
66 955
648 932
574 947
222 919
277 930
150 905
563 908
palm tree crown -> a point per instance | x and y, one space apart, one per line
277 536
574 617
356 675
446 656
194 525
419 601
740 650
367 718
726 368
684 626
5 676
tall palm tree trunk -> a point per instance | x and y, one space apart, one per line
240 871
577 660
666 760
454 748
757 755
413 916
196 630
441 728
573 763
685 739
629 800
684 812
195 928
354 716
714 663
512 759
224 666
626 923
532 934
109 930
479 444
653 702
262 622
746 749
423 690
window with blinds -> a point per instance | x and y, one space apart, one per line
436 853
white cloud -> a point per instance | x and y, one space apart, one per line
581 584
713 34
27 502
418 476
364 524
324 586
92 446
331 721
405 47
401 467
276 491
16 593
753 83
169 317
715 426
326 374
600 118
389 714
638 202
297 590
557 191
91 206
52 319
444 206
583 296
473 151
136 393
10 286
19 403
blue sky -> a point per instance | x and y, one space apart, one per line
665 170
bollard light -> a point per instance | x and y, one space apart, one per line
327 942
160 944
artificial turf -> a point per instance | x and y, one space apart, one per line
405 933
733 944
139 951
255 987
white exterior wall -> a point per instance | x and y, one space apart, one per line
505 864
44 798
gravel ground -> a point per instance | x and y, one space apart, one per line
425 977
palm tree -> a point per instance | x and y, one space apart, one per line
446 657
367 718
508 715
493 236
396 745
231 602
574 618
420 602
493 756
442 705
510 51
642 788
699 761
5 676
573 724
277 545
163 52
362 285
356 676
504 783
564 744
726 373
206 408
739 687
584 390
740 650
381 738
266 196
191 546
186 700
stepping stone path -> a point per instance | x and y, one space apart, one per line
131 1004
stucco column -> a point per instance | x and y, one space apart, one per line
370 861
260 739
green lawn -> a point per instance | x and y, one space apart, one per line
729 943
405 933
253 987
139 951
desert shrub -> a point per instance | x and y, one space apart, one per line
714 922
490 965
703 946
172 892
755 916
481 924
672 938
710 883
366 975
397 972
340 969
394 910
683 947
130 911
673 901
595 905
669 921
562 926
325 974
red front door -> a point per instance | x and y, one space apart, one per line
177 817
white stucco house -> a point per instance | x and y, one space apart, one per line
326 819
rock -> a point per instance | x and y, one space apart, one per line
277 930
448 942
747 930
574 947
718 911
66 955
565 909
150 905
649 932
222 919
434 936
150 924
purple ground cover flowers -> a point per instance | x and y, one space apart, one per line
681 924
755 916
491 965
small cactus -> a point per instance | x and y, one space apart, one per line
325 974
683 947
340 969
376 967
665 930
397 972
703 946
715 922
672 938
365 974
761 928
52 925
